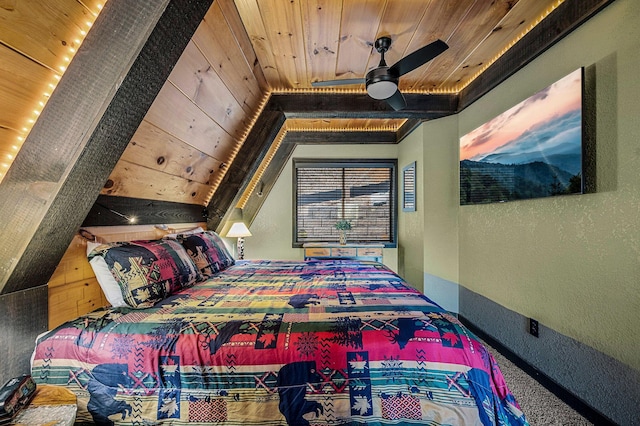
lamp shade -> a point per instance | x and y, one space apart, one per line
238 229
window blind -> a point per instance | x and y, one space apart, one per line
364 193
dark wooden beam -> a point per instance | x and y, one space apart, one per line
563 20
24 316
408 127
340 105
345 137
248 159
124 62
286 148
288 145
110 210
269 178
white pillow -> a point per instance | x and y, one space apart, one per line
108 284
187 232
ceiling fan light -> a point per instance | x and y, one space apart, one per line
381 89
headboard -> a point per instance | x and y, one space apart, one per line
73 288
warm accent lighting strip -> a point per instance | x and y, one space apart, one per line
241 141
358 91
257 177
389 128
7 159
533 24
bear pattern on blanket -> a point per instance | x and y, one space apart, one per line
103 386
292 385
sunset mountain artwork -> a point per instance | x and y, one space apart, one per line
532 150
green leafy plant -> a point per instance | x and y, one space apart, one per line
343 225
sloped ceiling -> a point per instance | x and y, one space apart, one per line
239 86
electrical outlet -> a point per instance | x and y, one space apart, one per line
533 327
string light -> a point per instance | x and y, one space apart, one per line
486 65
357 91
389 128
57 74
257 177
236 149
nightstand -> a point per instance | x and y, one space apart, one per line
355 251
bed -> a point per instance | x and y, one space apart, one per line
198 338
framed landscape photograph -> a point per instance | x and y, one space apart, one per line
533 150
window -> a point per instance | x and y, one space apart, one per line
361 191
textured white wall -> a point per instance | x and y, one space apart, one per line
441 211
411 224
428 253
571 262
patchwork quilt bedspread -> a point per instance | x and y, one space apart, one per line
280 343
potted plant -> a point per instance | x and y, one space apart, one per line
343 226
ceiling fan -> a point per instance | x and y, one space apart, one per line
382 82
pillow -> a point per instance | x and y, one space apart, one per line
174 235
208 251
108 284
147 272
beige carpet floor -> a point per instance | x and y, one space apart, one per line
540 406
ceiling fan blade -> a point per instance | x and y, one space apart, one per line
419 57
396 101
337 82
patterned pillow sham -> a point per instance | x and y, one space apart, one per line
208 251
148 271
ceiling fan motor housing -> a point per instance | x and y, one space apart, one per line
381 83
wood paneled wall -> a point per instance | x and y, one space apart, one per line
73 288
189 137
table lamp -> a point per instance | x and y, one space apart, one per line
239 230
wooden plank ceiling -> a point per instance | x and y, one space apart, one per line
244 55
302 41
